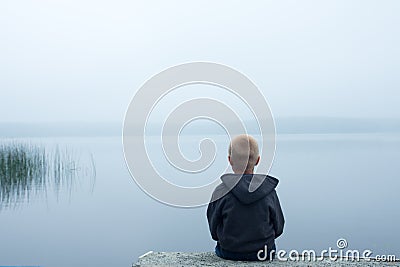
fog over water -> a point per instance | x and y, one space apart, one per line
328 70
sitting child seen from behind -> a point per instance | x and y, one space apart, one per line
245 222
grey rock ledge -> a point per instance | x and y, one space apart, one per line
210 259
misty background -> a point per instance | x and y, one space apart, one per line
70 61
69 69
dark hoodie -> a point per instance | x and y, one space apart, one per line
242 221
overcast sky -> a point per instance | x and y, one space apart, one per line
83 60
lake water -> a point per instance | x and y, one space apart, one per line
331 187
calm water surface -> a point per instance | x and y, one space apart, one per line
331 187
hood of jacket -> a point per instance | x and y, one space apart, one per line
244 189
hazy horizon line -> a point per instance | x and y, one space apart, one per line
158 121
283 125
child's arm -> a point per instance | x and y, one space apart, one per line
214 218
277 215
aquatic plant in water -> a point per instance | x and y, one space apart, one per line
30 169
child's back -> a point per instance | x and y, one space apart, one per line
244 222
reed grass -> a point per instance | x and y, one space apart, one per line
28 170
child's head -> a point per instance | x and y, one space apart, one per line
243 154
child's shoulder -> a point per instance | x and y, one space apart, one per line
220 191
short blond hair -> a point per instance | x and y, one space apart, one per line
243 152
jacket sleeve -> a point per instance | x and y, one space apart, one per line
277 217
214 217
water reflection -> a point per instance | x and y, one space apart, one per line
29 170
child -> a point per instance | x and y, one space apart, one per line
244 221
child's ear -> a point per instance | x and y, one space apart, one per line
229 159
258 160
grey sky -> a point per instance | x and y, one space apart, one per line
84 60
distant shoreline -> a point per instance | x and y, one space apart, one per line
284 125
